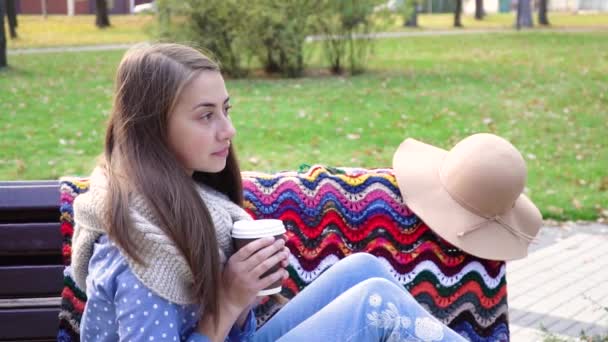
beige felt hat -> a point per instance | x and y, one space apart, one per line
471 196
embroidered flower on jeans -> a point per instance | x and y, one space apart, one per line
428 329
375 300
394 337
389 319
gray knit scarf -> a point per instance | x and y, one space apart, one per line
166 272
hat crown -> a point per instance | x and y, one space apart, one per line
485 174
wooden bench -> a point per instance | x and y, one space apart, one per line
467 293
31 264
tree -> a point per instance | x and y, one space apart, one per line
458 13
101 14
524 14
343 47
2 36
11 13
479 12
412 13
542 12
44 8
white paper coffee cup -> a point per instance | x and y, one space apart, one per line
246 231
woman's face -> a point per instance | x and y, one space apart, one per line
199 128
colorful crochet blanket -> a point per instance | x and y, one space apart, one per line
330 213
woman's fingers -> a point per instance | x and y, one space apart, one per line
241 276
268 263
250 270
251 248
271 278
260 256
285 262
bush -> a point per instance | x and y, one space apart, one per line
272 31
278 31
216 26
346 26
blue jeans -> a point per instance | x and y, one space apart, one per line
356 299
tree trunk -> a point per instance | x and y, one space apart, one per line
101 16
524 14
11 14
479 12
412 21
542 12
43 6
457 14
2 36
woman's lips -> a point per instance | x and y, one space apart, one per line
222 153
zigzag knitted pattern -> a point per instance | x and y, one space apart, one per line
332 213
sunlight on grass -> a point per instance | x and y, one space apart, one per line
496 21
57 30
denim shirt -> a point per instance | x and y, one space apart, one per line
121 308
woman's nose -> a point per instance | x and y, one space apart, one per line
228 131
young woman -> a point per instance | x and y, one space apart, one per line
152 244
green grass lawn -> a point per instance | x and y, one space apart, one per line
545 92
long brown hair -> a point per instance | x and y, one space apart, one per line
137 159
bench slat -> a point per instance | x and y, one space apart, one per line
31 281
29 202
29 216
20 195
30 182
30 302
29 324
30 239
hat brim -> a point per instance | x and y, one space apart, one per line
416 166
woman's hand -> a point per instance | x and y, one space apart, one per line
241 275
285 262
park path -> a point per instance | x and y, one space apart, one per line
379 35
562 286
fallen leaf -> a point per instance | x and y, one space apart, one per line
20 165
604 183
555 210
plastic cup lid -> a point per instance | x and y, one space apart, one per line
253 229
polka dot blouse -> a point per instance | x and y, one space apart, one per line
121 308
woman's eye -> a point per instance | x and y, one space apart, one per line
227 110
206 116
